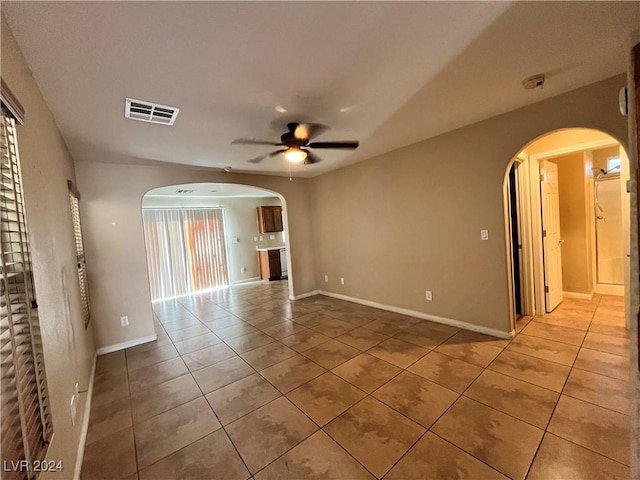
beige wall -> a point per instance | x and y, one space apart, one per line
114 241
574 229
46 167
410 220
240 222
392 226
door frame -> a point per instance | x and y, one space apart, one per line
524 227
536 205
530 221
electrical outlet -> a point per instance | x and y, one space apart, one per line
342 281
124 321
255 239
484 234
326 278
73 406
428 295
261 238
272 237
243 270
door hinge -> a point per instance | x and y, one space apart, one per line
544 233
546 289
542 177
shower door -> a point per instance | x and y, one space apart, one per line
609 242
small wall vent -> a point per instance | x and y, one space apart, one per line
185 191
150 112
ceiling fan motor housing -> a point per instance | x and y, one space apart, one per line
289 139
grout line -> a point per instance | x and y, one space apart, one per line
429 350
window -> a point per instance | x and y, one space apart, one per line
25 419
74 200
613 165
186 250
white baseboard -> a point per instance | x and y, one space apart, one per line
127 344
605 289
424 316
305 295
85 422
246 280
578 296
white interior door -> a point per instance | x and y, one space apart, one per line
552 243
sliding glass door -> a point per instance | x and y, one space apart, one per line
186 250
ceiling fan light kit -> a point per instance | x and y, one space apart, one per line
295 155
296 143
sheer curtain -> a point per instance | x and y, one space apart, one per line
186 250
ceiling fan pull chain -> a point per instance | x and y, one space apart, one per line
290 179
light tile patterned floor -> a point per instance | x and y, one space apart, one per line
243 383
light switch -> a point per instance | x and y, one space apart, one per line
484 234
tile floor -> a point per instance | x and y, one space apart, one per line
244 384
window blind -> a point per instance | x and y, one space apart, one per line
25 419
186 250
74 201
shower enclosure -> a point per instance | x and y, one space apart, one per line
609 237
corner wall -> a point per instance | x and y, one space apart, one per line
410 220
46 167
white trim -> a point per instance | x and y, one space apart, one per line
579 296
425 316
305 295
246 280
575 147
127 344
607 289
85 422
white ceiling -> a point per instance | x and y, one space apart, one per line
385 73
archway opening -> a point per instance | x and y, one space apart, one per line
202 237
567 223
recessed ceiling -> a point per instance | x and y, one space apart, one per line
385 73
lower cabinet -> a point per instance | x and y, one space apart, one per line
270 268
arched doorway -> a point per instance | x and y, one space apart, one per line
206 236
561 243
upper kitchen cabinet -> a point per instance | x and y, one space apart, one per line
270 219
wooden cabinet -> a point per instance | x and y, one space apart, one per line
269 219
270 268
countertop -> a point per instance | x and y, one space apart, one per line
266 249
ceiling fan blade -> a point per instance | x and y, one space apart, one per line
257 159
311 158
268 155
273 154
248 141
307 131
349 145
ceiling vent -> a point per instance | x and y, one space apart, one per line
185 191
150 112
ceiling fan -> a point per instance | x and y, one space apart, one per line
296 143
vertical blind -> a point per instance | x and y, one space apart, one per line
25 418
82 264
186 250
